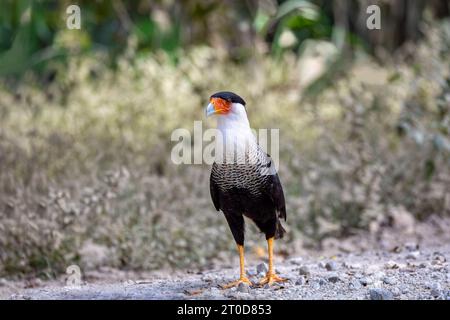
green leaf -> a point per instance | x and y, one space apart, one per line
308 9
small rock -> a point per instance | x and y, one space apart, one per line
413 255
389 280
396 291
376 284
379 275
215 291
423 265
3 282
251 273
243 287
436 290
334 278
209 277
447 295
262 268
438 258
300 281
411 246
435 293
304 271
331 266
352 265
429 285
354 285
380 294
365 281
371 269
315 285
322 282
391 265
297 261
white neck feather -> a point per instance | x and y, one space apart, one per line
235 130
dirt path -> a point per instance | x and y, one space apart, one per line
406 273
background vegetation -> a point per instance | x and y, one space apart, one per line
86 117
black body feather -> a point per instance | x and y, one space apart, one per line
263 202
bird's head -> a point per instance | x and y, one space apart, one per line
226 104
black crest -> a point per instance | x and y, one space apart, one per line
229 96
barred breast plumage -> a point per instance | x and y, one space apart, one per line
249 172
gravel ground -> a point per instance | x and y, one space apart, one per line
406 272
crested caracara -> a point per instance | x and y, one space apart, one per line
243 180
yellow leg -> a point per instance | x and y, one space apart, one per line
271 277
242 277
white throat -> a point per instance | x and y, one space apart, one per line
236 136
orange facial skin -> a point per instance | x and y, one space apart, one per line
221 106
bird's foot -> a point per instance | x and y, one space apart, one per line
237 282
271 278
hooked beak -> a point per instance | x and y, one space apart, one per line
210 110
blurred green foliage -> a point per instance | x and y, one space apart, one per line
33 33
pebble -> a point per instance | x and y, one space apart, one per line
423 265
411 246
396 292
380 294
300 281
262 268
379 275
296 261
322 282
436 290
391 265
389 280
243 288
304 271
413 255
215 291
365 281
447 295
334 278
209 277
251 273
315 285
438 258
352 265
354 285
331 266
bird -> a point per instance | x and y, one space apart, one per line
244 182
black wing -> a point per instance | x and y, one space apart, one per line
214 190
274 190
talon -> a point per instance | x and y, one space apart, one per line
237 282
271 278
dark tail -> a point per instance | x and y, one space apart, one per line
279 232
